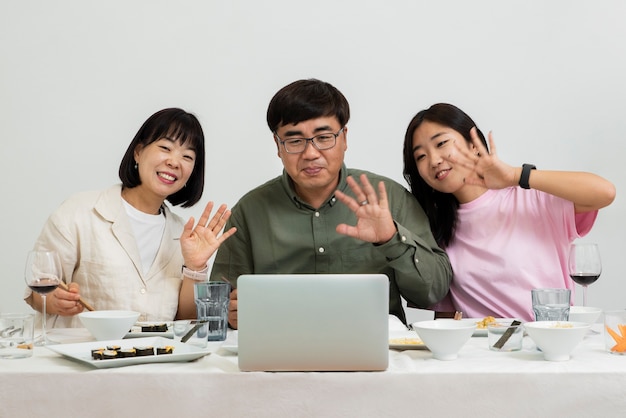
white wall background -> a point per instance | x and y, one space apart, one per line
77 79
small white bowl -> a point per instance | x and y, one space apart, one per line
556 339
444 337
585 314
108 325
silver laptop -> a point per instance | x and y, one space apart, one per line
313 322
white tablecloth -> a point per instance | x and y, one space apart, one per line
479 383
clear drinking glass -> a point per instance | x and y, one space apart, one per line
551 304
43 275
212 300
584 265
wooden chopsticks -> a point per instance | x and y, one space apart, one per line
87 306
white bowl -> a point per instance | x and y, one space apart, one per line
556 339
585 314
444 337
108 325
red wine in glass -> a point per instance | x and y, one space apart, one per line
584 279
44 286
584 265
43 274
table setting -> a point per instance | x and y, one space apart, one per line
444 365
413 377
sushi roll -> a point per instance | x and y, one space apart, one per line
168 349
96 353
154 328
127 352
144 351
109 354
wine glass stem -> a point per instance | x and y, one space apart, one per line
43 319
584 295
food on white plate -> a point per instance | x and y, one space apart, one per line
482 324
405 341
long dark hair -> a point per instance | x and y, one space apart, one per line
184 127
441 208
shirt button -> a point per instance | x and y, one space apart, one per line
317 214
321 249
403 238
416 260
142 291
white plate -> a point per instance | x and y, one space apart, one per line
407 340
232 342
482 332
135 331
82 352
231 348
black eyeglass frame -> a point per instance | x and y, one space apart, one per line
312 140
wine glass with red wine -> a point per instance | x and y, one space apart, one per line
43 275
584 265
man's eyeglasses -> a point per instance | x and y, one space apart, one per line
321 142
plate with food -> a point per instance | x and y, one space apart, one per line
118 353
483 323
151 329
406 341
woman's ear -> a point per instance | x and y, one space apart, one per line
137 151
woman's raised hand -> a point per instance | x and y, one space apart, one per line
485 168
199 242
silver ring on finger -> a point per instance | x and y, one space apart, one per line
365 202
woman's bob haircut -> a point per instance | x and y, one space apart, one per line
183 127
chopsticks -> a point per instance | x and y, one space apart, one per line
224 279
507 334
87 306
193 330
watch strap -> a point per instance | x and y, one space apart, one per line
523 179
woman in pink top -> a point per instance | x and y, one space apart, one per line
506 229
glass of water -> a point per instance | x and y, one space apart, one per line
212 300
551 304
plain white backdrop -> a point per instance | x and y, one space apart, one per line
78 78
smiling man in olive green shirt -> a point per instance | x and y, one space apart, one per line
317 218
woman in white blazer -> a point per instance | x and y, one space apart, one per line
123 248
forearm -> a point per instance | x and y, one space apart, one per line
587 191
186 302
427 282
422 270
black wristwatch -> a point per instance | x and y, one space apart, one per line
523 179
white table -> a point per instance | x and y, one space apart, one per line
480 383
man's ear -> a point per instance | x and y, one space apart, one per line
277 146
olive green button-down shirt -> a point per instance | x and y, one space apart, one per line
277 233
